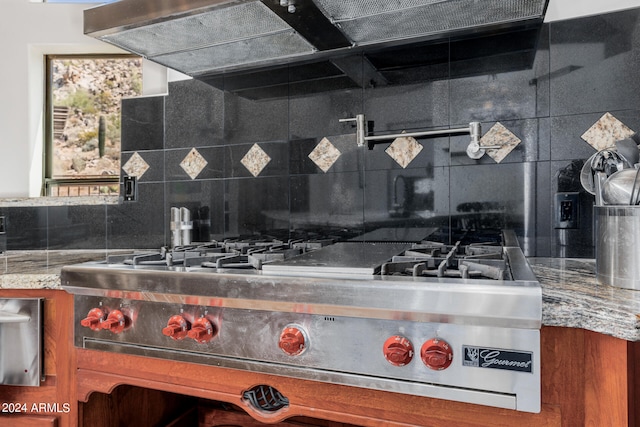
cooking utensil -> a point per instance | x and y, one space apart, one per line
608 162
586 176
635 191
629 150
619 188
599 180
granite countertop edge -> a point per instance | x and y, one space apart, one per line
573 298
571 295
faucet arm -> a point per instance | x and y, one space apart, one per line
474 150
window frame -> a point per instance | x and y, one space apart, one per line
48 182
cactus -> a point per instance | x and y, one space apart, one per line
102 130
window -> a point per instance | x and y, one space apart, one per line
82 155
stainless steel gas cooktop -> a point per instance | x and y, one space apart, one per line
454 321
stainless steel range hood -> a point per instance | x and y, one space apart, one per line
206 37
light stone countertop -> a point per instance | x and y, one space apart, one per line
9 202
41 269
571 296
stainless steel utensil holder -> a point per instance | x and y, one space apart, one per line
617 232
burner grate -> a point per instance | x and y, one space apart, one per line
434 259
238 253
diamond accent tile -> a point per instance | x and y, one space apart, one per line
325 155
255 160
499 135
136 166
403 150
193 163
606 131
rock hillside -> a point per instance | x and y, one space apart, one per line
90 89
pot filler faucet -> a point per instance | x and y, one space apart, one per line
474 149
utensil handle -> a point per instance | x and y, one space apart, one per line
599 179
633 199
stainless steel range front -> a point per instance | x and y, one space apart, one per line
458 322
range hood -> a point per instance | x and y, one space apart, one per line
208 37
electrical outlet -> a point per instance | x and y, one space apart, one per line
130 188
3 234
566 209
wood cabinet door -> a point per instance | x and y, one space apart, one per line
28 421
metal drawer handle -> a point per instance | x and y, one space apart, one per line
6 317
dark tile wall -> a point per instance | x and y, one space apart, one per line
547 87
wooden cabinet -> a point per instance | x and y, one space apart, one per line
29 421
53 403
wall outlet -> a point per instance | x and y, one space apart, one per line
130 189
3 234
566 208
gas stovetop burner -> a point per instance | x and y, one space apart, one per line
433 259
323 256
239 253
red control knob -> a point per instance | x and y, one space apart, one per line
436 354
292 341
94 319
398 350
116 322
202 330
177 327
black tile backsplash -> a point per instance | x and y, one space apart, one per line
256 206
318 115
594 64
397 202
328 201
194 115
143 124
545 85
408 107
246 120
138 224
26 227
76 227
538 236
